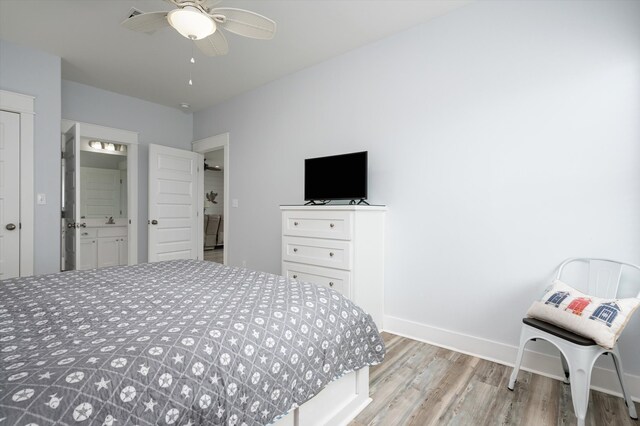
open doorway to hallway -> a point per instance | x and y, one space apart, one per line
214 201
213 226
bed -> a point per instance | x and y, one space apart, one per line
182 342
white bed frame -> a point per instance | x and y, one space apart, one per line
336 405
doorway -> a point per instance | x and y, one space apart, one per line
214 200
214 206
99 197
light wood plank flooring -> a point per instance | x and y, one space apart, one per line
420 384
214 255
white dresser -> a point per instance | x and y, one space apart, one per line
341 247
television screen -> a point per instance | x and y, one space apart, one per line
338 177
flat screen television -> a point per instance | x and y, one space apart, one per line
338 177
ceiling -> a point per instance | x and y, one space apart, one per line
96 51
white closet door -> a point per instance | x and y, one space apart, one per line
9 195
72 198
174 179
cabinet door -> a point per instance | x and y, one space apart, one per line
88 254
123 251
107 252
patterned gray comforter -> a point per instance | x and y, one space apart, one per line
180 342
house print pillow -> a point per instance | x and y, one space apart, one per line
599 319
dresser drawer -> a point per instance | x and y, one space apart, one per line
336 225
313 251
331 278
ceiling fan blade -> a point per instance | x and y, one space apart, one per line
244 22
214 45
147 22
205 4
208 4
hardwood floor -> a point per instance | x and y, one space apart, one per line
215 255
420 384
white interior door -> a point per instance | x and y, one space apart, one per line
174 179
71 198
9 195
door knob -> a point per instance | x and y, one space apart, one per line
10 227
71 225
295 276
330 283
154 222
83 225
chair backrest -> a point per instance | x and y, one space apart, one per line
604 275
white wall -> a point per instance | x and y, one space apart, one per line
503 136
155 124
34 73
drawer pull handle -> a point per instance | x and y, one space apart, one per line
331 254
295 223
331 225
295 276
330 283
295 250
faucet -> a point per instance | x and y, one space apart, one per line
111 221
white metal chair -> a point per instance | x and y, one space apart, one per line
579 354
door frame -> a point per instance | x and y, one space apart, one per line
129 138
213 143
25 106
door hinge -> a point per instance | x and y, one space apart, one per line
62 155
129 221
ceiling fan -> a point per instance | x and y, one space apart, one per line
200 21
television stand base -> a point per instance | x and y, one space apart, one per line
362 201
316 202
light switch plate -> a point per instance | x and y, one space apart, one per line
41 199
234 202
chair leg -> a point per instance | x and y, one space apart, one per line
580 370
617 362
514 374
565 367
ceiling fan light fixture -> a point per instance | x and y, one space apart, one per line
191 23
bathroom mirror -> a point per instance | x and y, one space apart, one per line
103 185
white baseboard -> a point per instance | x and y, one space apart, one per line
602 379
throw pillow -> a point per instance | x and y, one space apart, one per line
599 319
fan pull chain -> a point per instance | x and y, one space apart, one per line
192 61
